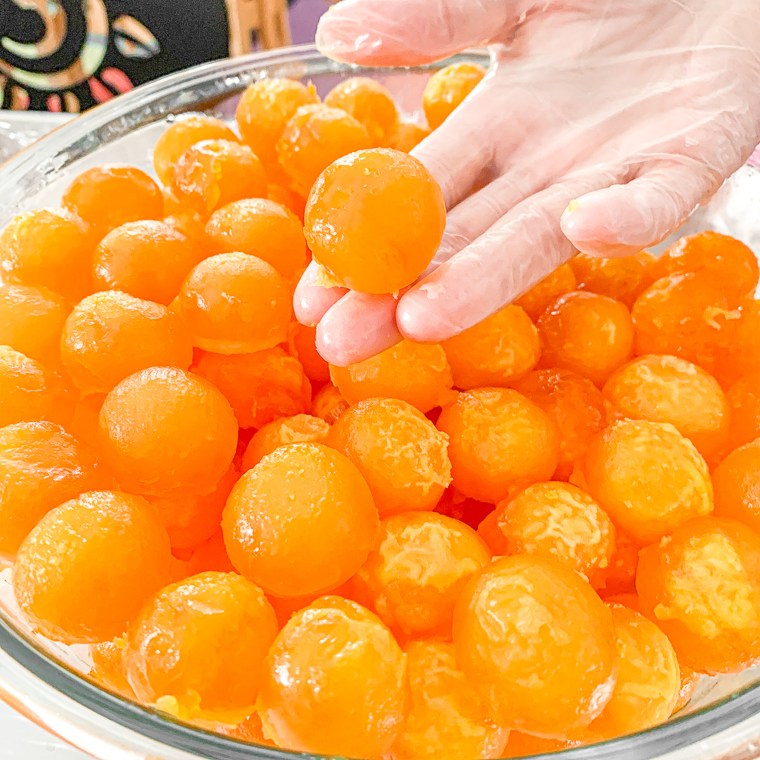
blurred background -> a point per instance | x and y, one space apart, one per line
68 55
304 16
61 57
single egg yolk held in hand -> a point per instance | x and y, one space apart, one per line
374 220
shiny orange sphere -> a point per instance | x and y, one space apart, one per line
302 521
334 682
374 220
498 440
447 88
702 586
103 545
647 476
553 645
413 579
191 638
110 195
233 303
184 131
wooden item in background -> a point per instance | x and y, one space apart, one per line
258 23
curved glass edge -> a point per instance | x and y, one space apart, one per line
712 728
199 88
64 690
42 683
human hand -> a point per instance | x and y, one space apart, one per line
599 127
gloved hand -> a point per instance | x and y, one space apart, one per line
600 126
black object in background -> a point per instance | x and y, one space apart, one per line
68 55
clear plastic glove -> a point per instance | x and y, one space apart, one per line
600 126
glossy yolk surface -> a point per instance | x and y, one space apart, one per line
398 451
357 220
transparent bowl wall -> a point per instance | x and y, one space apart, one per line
47 682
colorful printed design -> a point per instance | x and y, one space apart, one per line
133 40
67 55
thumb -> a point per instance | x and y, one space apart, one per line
411 32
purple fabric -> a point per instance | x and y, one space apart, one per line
304 15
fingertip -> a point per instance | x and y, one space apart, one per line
421 315
625 218
312 301
408 319
342 39
367 32
601 224
357 327
577 222
331 350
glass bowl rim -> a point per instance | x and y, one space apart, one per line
677 733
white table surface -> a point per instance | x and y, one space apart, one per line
23 740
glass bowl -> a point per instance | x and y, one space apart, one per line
21 128
48 682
